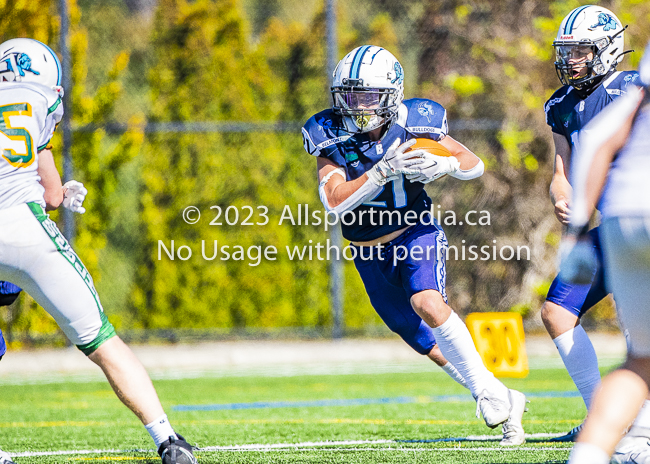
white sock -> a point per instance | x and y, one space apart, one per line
586 453
580 360
160 430
458 348
454 374
641 426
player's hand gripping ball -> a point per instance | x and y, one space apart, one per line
438 161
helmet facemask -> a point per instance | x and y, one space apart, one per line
573 56
573 66
367 108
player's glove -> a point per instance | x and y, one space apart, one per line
396 162
577 258
433 167
74 194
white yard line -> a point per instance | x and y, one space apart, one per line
341 445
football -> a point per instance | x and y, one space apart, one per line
431 146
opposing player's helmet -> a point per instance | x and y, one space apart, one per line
28 60
368 88
588 29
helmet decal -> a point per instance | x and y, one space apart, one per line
607 22
25 64
18 63
399 74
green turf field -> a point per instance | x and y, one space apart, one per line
368 418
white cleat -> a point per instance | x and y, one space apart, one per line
5 458
632 450
495 411
513 430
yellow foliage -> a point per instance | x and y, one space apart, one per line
465 86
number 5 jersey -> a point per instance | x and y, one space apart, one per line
29 114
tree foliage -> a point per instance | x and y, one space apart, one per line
222 61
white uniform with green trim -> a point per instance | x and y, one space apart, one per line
33 253
29 114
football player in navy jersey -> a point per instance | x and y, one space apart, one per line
614 150
368 176
589 45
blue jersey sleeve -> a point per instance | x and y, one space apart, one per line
550 108
424 118
322 135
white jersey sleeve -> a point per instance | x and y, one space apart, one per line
29 114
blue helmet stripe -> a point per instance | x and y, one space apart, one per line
356 62
568 27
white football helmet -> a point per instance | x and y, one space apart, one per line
368 88
588 29
28 60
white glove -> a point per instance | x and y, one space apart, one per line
74 194
577 260
433 167
395 163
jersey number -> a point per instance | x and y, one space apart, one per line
399 195
16 142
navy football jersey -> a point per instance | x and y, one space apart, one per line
567 113
324 135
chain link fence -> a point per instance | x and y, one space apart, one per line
208 97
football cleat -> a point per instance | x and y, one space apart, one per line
513 430
495 411
5 458
571 436
176 451
632 450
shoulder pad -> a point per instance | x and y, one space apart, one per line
323 130
424 116
51 96
617 83
557 97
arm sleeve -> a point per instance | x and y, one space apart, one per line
551 121
367 191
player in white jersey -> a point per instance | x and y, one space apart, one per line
34 254
616 143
